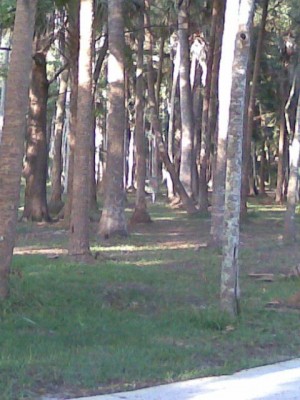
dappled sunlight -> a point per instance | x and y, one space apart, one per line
52 252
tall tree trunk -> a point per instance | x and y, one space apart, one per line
229 296
140 213
56 172
113 220
279 197
185 199
293 185
79 227
205 131
73 51
186 107
35 169
224 93
251 109
13 134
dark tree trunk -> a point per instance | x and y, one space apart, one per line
36 163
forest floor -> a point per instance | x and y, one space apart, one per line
147 311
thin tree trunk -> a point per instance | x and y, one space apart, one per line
13 134
205 131
186 107
251 108
185 199
56 172
140 213
73 51
229 296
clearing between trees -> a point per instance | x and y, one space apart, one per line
146 312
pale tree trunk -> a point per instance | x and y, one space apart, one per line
140 213
72 53
225 82
113 221
13 134
79 227
55 202
185 199
186 107
293 185
251 109
229 295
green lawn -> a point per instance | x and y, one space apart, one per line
147 314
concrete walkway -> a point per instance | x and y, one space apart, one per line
272 382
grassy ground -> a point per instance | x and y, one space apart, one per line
147 313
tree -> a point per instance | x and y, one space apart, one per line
224 92
140 212
186 108
113 220
79 226
12 143
293 185
230 269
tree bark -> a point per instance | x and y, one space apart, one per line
186 107
224 92
56 172
140 214
72 53
251 109
113 220
293 185
229 295
185 199
79 249
35 169
13 134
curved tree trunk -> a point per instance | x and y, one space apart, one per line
13 134
35 169
113 220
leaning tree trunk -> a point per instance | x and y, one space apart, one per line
229 296
185 199
13 134
36 162
186 105
293 185
140 213
113 220
79 249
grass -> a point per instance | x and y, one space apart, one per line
148 314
